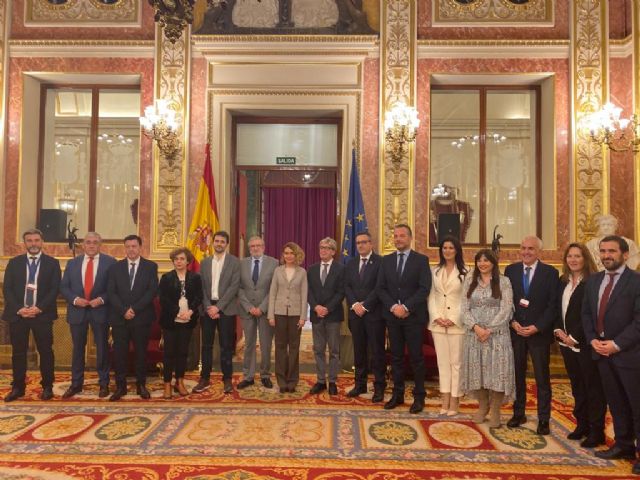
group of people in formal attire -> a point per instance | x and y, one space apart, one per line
485 325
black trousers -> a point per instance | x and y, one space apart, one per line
622 390
590 404
407 334
367 333
43 335
226 326
540 356
176 350
122 335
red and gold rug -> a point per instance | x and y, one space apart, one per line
259 434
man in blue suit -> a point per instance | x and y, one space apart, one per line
611 322
84 287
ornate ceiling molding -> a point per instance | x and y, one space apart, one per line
490 13
82 48
80 13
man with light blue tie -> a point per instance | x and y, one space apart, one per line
256 272
84 287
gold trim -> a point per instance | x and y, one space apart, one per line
536 13
493 43
622 41
81 43
635 9
200 39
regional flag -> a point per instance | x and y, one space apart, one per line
355 221
205 217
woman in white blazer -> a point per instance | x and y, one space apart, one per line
445 322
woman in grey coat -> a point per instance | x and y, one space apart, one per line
486 310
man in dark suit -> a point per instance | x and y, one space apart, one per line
535 290
131 288
325 295
31 283
84 287
611 321
256 272
404 281
365 319
220 283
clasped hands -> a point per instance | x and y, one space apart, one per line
564 338
443 322
83 302
399 311
213 312
482 333
29 312
524 331
321 311
605 348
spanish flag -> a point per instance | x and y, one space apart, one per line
205 217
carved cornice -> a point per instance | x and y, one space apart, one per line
172 84
81 13
589 64
347 39
82 48
398 77
529 48
487 13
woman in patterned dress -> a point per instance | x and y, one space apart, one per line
486 310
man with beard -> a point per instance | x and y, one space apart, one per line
611 322
31 283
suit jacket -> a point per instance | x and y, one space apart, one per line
15 281
169 292
572 323
227 287
445 299
621 319
139 297
329 295
250 295
72 287
288 297
363 290
543 294
410 289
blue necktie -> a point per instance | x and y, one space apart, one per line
526 280
256 271
33 268
400 264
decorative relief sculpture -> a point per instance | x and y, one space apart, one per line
66 12
492 11
607 225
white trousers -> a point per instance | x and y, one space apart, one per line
449 352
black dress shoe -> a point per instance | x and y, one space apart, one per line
143 392
394 402
71 391
284 389
516 421
47 393
615 453
417 406
543 427
292 389
245 383
14 394
333 389
317 388
266 383
592 441
104 391
228 386
118 394
357 390
578 433
378 395
636 468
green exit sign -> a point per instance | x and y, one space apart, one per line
285 160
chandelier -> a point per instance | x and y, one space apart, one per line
175 15
161 125
619 134
475 139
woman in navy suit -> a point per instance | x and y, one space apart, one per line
180 298
586 387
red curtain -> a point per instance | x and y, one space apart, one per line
301 215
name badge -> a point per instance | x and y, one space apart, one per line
32 286
524 303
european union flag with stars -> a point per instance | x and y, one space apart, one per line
355 221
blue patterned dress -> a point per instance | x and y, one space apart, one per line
490 364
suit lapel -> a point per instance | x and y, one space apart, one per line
620 286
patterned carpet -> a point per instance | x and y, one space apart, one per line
258 434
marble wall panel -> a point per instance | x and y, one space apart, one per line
19 66
621 198
197 132
620 17
560 29
21 32
560 68
370 153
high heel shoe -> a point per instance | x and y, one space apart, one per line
180 388
167 391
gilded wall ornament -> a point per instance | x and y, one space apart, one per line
107 13
503 12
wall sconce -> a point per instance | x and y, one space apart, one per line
67 204
401 125
161 125
619 134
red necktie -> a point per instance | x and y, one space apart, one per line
603 304
88 279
